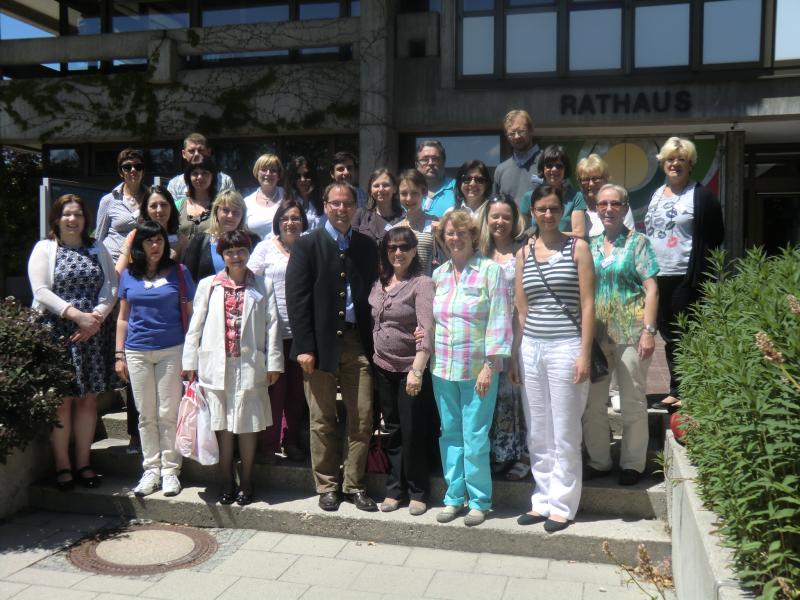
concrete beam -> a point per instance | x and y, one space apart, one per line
733 206
284 35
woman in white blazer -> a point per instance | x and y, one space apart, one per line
234 346
75 287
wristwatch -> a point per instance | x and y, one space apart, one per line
416 372
651 329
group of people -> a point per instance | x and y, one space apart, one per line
460 309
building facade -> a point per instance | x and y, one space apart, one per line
312 77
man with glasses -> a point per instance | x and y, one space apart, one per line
430 161
517 175
344 169
328 279
195 149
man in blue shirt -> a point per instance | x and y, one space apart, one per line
430 161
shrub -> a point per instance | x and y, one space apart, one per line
743 400
35 375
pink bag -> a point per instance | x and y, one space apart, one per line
194 437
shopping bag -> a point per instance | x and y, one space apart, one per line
206 449
377 461
187 420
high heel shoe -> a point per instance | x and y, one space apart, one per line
92 481
65 485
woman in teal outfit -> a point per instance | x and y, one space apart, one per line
626 303
555 169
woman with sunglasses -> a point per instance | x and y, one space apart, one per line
402 300
202 185
383 209
300 183
473 187
119 210
592 173
287 397
555 169
262 204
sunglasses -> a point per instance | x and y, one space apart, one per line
395 247
473 179
611 204
128 166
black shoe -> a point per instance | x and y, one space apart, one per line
65 485
92 481
329 501
529 519
551 526
629 477
243 499
590 473
362 501
227 496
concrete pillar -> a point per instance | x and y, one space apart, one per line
733 199
163 56
376 137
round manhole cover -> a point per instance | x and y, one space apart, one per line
143 549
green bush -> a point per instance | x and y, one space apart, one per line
739 362
35 375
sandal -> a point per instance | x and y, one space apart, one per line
518 472
92 481
65 485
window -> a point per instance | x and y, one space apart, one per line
477 45
227 12
651 22
133 15
461 148
787 42
12 28
595 39
531 42
731 31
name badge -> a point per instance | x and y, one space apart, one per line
254 294
157 283
608 261
555 258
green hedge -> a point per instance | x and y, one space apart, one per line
739 362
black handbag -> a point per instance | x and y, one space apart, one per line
598 364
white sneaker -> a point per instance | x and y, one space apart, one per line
170 485
147 484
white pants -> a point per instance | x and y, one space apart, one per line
156 381
631 374
553 407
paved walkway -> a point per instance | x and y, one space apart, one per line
255 564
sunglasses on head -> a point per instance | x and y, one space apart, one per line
128 166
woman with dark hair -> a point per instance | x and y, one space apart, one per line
401 300
501 227
383 207
300 183
202 185
228 212
155 300
473 186
553 333
287 397
74 284
412 188
118 212
555 169
234 347
157 205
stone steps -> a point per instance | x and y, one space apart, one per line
646 500
291 511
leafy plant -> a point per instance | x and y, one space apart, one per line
739 362
34 377
20 173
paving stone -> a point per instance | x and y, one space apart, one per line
53 578
465 586
110 596
564 570
258 589
318 570
113 585
325 593
536 589
593 591
393 579
511 566
11 562
188 584
371 552
263 540
253 563
8 589
38 592
310 545
451 560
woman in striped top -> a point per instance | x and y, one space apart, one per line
412 189
555 276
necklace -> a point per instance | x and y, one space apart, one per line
269 199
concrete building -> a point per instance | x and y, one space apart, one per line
312 77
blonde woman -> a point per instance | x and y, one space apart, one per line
228 213
592 174
264 202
